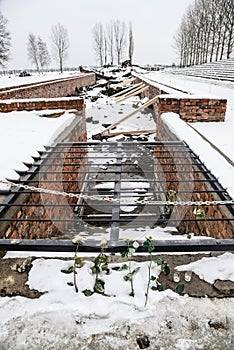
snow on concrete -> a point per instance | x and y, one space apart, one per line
212 268
22 134
214 161
13 80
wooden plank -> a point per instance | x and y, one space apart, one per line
132 94
123 83
130 132
128 90
147 104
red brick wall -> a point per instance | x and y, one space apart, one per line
40 104
40 229
194 109
190 108
49 89
216 229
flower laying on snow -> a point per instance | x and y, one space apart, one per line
78 239
135 245
103 243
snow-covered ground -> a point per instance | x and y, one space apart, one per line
12 80
64 319
22 134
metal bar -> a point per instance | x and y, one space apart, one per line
111 180
113 171
115 215
161 246
101 219
124 151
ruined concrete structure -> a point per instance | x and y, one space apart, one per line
65 168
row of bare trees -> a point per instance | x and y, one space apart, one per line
39 54
5 41
37 48
206 33
113 43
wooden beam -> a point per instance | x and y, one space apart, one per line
136 92
118 94
125 82
147 104
130 132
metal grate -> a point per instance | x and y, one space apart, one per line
134 173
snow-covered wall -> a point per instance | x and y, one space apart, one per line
42 104
49 89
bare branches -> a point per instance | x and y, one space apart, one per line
130 43
98 36
110 43
5 41
38 52
60 44
206 32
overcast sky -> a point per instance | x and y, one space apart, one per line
154 24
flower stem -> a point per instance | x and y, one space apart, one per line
149 277
74 270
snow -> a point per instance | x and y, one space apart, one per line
212 268
214 161
220 134
12 80
21 137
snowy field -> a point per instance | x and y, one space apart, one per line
64 319
12 80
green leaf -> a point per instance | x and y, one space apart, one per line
158 261
149 245
131 251
95 269
160 287
105 268
79 263
167 270
120 268
124 254
87 292
180 288
129 276
99 286
69 270
153 278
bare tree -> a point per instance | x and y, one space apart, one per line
60 44
228 8
120 39
110 40
130 43
43 54
98 36
5 41
33 51
206 32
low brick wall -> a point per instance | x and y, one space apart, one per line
194 181
42 104
64 167
49 89
191 108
